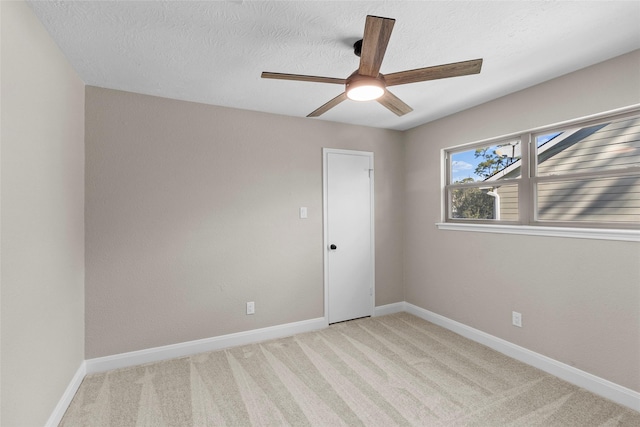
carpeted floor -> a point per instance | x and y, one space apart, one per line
382 371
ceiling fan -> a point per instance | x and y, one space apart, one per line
367 84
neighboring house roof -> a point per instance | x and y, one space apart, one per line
610 146
560 142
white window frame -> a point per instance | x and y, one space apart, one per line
527 224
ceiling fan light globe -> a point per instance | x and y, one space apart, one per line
365 93
364 88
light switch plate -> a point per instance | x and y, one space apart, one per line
303 212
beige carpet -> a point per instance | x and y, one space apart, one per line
383 371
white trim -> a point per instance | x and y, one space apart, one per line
594 384
570 232
526 180
325 231
188 348
631 109
383 310
597 385
67 396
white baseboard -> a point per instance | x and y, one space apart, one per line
594 384
396 307
123 360
597 385
188 348
67 397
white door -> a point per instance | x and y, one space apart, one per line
349 249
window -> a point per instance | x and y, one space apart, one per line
483 182
584 174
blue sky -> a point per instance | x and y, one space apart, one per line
463 164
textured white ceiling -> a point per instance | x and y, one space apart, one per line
213 52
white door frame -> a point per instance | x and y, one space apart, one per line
325 239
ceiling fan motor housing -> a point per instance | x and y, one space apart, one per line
357 48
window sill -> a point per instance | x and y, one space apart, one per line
576 233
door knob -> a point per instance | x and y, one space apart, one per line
333 247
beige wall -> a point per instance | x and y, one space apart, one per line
192 210
580 299
42 241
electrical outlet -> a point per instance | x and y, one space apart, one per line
251 307
516 319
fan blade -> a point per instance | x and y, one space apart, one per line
433 73
329 105
377 32
394 104
303 78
